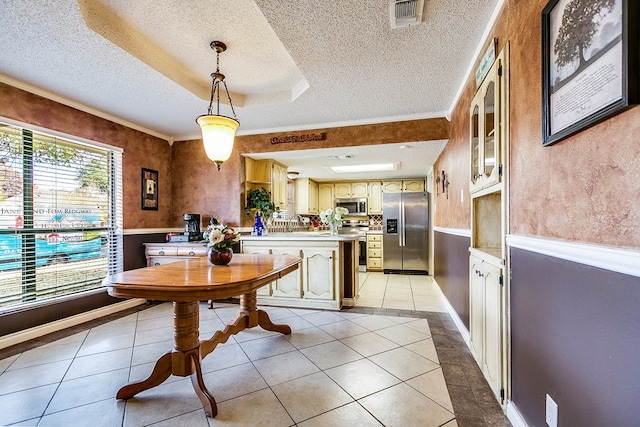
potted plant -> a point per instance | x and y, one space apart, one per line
260 200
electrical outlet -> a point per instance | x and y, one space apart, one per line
551 412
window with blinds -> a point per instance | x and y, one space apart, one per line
60 216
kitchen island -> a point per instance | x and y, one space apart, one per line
328 275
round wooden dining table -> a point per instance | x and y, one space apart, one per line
186 283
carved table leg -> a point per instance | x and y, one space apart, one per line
183 361
248 317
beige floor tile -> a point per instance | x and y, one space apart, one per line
425 348
160 403
403 363
15 380
39 355
234 382
369 344
343 329
399 305
110 414
402 335
115 340
421 325
98 363
374 322
361 378
81 391
401 405
310 396
25 405
433 386
352 415
196 418
330 354
369 302
260 408
376 293
322 318
308 337
284 367
266 347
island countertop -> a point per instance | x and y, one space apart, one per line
304 235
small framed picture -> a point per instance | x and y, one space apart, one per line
149 189
590 63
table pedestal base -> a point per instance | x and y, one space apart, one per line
188 352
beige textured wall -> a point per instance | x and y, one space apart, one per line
585 188
140 150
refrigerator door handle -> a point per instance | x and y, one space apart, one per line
401 231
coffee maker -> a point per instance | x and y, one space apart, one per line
192 226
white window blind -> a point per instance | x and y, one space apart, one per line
60 216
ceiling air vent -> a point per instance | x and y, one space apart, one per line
403 13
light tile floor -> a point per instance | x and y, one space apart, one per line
399 291
349 368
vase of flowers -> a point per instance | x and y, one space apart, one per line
220 240
334 218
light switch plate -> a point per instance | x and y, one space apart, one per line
551 412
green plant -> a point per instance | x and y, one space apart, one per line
260 199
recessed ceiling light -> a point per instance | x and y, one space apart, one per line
378 167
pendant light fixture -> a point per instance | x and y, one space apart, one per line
218 131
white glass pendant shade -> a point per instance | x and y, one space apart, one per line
218 133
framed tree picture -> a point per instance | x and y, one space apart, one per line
149 189
590 63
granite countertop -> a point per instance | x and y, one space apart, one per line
374 232
305 235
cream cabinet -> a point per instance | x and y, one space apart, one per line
374 252
488 260
404 186
344 190
322 278
306 196
269 175
326 198
487 129
374 207
164 253
279 186
485 324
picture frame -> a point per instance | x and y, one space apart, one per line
149 189
590 71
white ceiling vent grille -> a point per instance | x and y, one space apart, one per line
403 13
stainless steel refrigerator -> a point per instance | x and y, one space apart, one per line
405 223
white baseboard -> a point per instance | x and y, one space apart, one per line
514 415
58 325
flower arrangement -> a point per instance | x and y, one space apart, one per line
220 236
334 217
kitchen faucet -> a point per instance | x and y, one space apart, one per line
289 226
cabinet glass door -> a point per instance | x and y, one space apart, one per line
490 123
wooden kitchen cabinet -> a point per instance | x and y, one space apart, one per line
164 253
485 325
374 207
488 259
269 175
306 197
403 186
349 190
326 198
374 252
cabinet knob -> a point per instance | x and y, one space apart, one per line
192 253
161 252
156 263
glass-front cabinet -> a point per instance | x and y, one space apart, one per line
486 133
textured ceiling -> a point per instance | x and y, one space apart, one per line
289 65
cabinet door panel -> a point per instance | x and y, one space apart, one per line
342 190
248 249
319 271
476 309
359 189
291 284
492 366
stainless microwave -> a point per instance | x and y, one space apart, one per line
357 206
